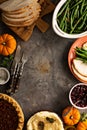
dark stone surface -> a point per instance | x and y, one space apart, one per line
46 79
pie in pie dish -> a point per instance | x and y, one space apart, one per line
11 115
45 120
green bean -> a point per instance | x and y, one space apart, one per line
72 17
85 9
65 27
85 27
83 23
81 50
76 4
81 55
82 6
79 58
63 8
64 17
78 14
85 4
68 13
76 11
78 22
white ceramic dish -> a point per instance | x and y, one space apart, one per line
56 28
4 75
76 93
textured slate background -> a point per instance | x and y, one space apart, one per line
46 79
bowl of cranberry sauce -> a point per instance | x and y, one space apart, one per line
78 96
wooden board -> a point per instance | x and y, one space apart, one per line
25 32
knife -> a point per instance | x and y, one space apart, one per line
16 59
14 68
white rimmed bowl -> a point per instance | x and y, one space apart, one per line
56 28
4 75
77 95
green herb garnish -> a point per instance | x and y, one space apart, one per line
51 120
6 61
41 125
83 116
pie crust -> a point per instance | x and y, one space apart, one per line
18 110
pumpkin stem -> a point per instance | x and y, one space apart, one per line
71 117
83 116
4 43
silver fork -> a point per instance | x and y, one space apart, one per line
19 74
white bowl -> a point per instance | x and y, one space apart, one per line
4 75
56 28
76 93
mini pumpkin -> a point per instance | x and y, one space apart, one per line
82 125
71 115
7 44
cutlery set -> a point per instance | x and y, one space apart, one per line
16 70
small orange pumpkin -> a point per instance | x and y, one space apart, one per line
82 125
71 115
7 44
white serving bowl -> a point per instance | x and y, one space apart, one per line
4 75
56 28
77 93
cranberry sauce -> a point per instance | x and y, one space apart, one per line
79 95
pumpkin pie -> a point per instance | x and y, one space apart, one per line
11 115
45 120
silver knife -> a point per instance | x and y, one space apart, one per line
14 68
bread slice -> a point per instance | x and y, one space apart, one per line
80 66
78 75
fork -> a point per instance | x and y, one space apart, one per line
20 72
